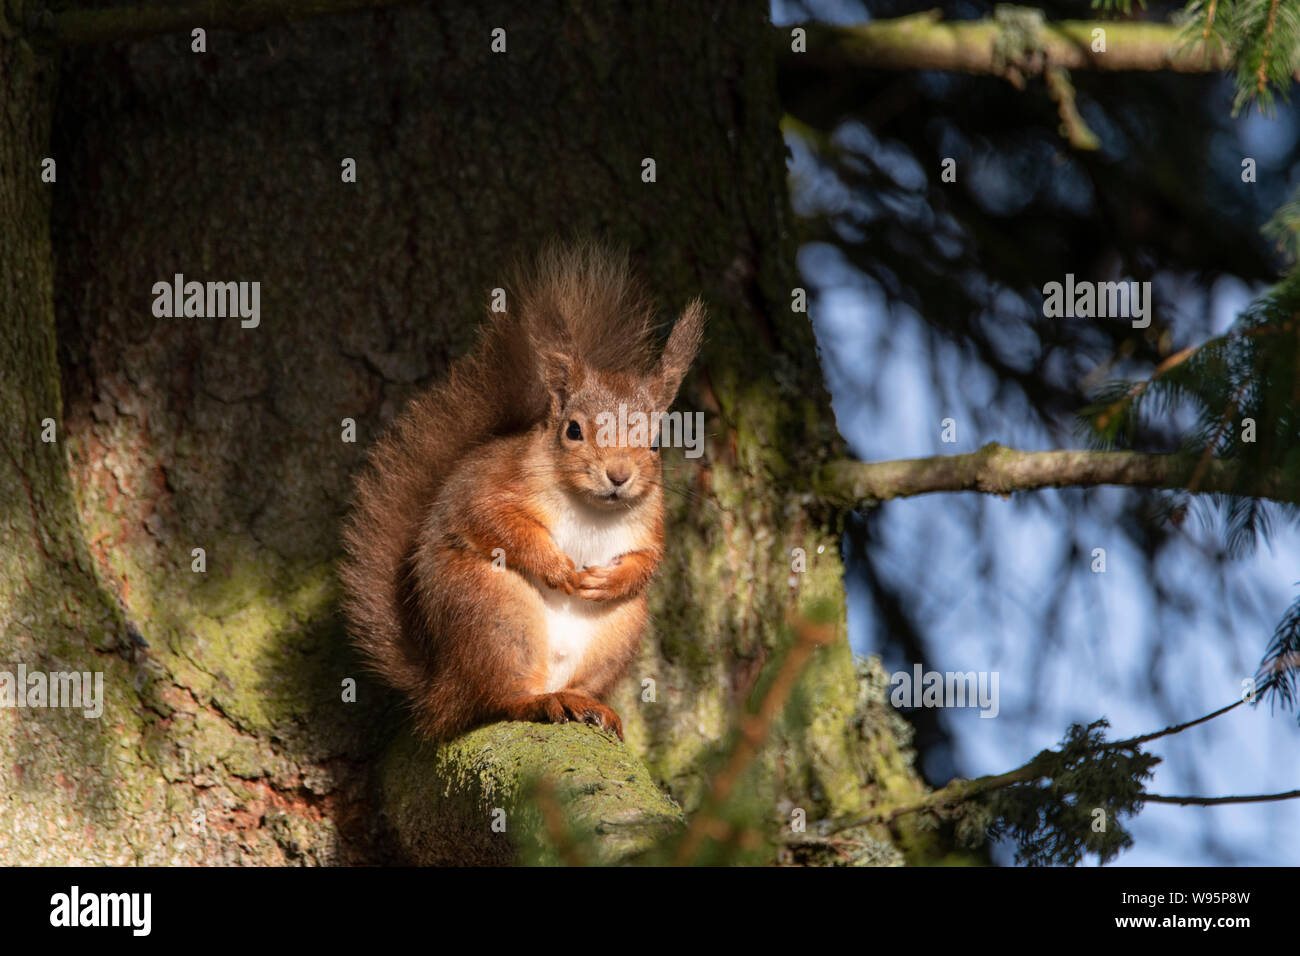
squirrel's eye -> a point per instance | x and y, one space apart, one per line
573 432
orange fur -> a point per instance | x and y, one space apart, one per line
458 588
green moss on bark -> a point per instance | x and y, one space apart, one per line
534 793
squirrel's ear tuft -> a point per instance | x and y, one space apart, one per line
679 353
561 375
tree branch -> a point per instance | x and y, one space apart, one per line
955 792
512 792
1216 801
923 42
1132 742
996 469
959 790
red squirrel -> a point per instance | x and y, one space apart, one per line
501 542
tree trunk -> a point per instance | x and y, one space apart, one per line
227 734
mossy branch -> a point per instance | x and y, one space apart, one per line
519 792
996 469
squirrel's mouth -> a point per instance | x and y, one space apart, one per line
603 494
615 496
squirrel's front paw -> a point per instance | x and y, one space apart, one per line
561 576
600 584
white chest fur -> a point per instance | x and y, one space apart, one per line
591 538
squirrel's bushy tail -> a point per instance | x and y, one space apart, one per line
579 300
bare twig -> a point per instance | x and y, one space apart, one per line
996 469
1216 801
923 42
1072 124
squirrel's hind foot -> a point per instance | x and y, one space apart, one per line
564 706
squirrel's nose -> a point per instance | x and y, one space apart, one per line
618 473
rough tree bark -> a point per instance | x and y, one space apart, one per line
225 737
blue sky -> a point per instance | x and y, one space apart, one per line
1101 661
